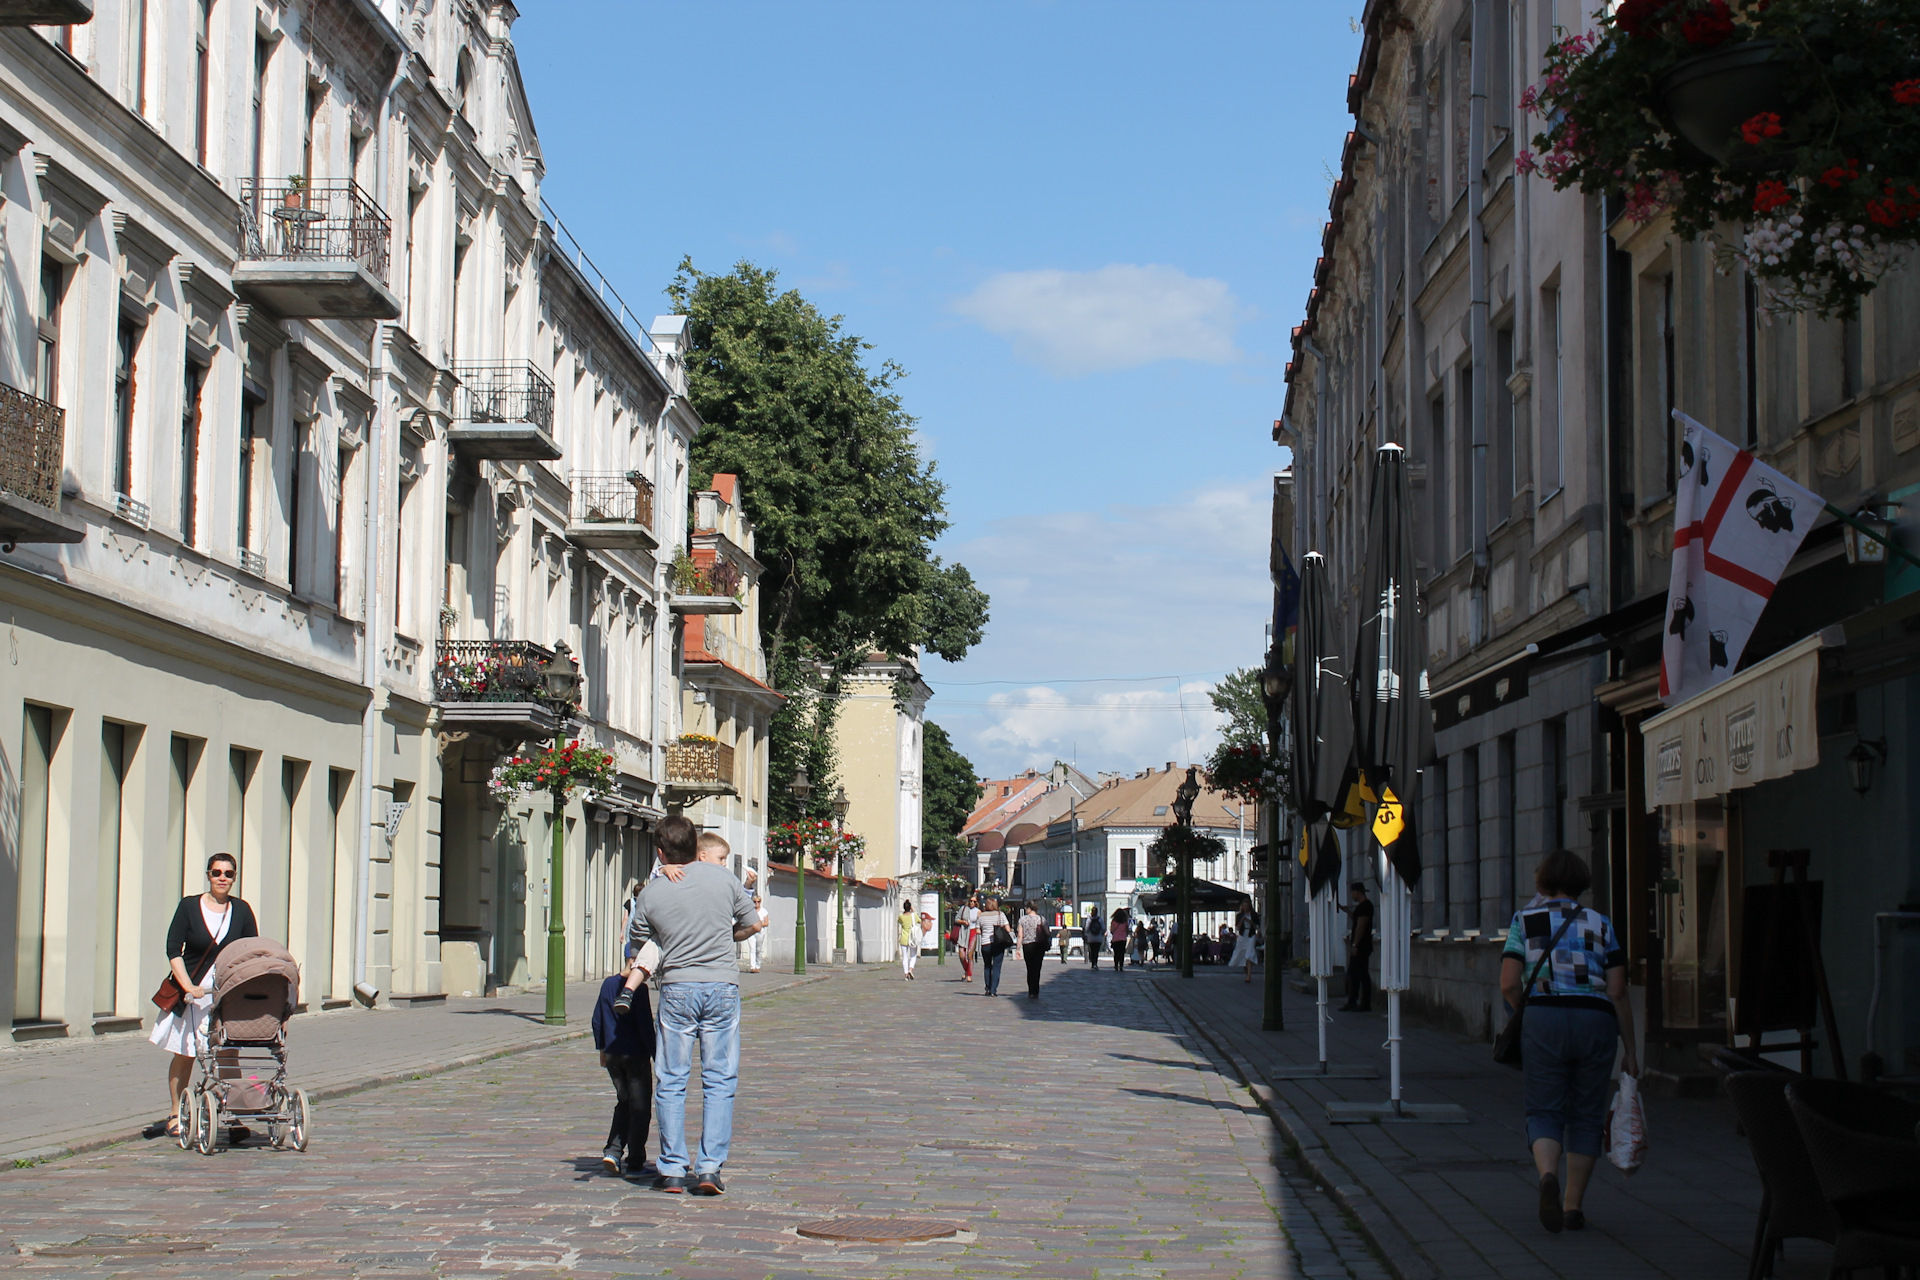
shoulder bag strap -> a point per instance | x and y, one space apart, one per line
1547 955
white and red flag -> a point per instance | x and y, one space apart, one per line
1736 523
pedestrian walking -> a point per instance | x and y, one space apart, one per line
756 945
1568 960
203 925
1118 933
1246 931
625 1045
1095 933
694 919
966 943
1035 938
1142 945
1359 951
909 940
996 939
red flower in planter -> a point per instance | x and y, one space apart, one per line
1907 93
1640 18
1770 195
1710 26
1758 129
1841 174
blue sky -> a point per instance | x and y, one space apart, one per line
1084 229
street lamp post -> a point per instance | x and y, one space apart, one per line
1276 683
840 806
562 677
801 787
1183 798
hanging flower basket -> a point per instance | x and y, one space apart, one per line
1788 131
558 770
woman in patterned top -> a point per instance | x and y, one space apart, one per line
1577 1013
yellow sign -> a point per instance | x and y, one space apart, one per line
1303 845
1353 810
1390 819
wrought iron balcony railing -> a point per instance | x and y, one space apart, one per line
612 497
491 671
699 765
32 447
501 392
319 220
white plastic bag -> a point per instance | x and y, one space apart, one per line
1627 1127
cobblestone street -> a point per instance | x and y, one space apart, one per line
1083 1135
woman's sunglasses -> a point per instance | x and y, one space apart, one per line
219 875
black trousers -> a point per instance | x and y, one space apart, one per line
633 1113
1359 979
1034 954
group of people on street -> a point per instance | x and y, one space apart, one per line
982 935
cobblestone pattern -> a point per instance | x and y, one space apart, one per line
1082 1135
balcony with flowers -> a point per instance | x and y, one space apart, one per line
699 765
513 690
314 248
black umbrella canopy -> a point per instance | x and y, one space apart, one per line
1392 716
1323 765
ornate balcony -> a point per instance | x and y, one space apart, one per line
503 409
497 688
314 250
33 437
612 509
696 769
45 13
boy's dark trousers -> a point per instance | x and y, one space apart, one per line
633 1114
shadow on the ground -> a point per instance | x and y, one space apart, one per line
1194 1099
525 1015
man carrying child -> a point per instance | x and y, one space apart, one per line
694 912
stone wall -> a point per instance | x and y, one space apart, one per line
1456 987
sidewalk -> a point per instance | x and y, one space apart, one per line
1458 1201
68 1096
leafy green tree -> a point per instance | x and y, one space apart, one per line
949 788
1238 698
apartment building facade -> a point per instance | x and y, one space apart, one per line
1528 347
354 439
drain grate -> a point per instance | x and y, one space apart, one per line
880 1230
119 1247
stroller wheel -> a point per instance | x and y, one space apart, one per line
206 1129
298 1130
183 1118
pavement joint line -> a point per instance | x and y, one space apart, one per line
34 1157
1389 1241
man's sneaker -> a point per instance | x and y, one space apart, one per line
674 1183
706 1184
610 1161
638 1173
623 1003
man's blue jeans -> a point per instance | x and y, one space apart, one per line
710 1013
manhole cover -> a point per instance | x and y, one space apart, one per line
880 1230
119 1247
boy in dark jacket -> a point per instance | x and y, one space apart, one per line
626 1051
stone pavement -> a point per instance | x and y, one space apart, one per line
1087 1134
1458 1201
64 1096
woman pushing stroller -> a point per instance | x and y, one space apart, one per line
203 925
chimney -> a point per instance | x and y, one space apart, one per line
1169 768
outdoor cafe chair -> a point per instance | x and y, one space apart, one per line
1859 1141
1791 1203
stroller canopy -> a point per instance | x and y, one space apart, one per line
243 960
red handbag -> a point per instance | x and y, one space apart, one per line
168 995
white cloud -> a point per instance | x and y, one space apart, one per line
1119 317
1172 591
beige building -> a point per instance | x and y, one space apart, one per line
877 736
325 467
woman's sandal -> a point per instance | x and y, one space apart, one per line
1551 1215
1575 1220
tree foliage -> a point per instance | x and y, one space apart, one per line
1238 698
949 788
844 509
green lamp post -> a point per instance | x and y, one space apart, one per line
562 678
802 788
1183 797
840 806
1276 685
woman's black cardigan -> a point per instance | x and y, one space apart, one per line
187 936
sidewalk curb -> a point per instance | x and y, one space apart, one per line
31 1157
1396 1248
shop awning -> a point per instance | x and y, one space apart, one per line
1755 726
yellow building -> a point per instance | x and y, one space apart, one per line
877 736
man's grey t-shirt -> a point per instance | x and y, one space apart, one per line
693 922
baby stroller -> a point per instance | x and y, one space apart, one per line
243 1056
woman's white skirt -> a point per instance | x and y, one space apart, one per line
183 1030
1244 951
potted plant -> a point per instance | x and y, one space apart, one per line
296 188
1786 130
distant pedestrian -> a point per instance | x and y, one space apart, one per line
1359 951
695 920
1577 1013
1246 931
1034 940
626 1051
756 945
966 943
1117 935
203 924
909 940
1095 933
1142 946
996 939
